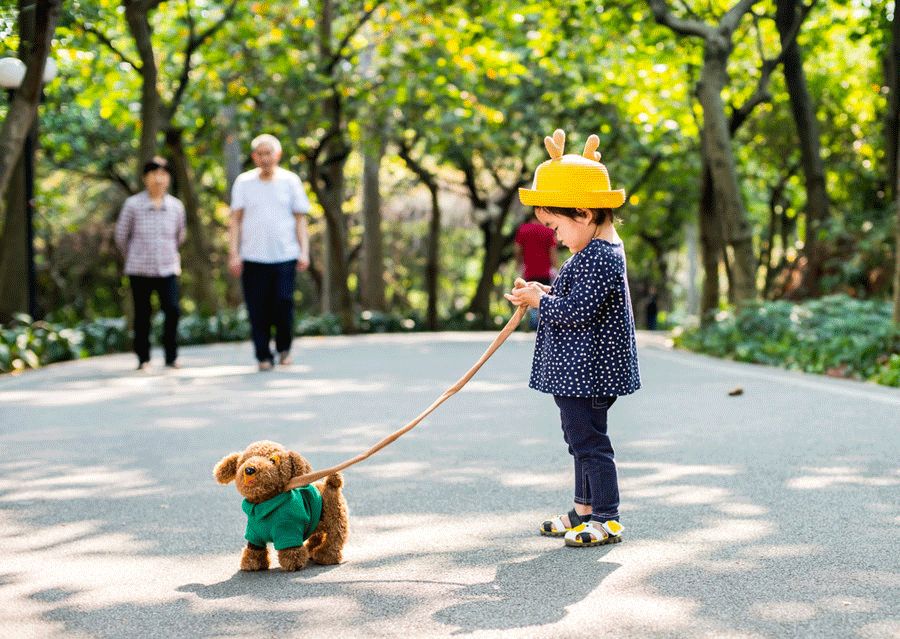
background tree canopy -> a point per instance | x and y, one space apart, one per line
756 140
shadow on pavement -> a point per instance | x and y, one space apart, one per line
771 515
534 592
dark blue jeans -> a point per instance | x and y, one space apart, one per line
584 429
269 295
167 291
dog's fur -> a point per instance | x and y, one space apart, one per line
274 467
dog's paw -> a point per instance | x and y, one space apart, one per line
291 559
254 559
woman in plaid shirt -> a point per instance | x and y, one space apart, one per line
149 231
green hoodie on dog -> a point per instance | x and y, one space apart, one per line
286 520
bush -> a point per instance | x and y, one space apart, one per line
27 344
835 335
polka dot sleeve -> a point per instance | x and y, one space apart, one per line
594 278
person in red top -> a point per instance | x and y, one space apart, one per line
536 252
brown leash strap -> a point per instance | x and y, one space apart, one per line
511 325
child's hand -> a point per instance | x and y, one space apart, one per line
525 294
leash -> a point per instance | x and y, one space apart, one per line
511 325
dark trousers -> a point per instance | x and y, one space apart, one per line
584 429
269 295
167 292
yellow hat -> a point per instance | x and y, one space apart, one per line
572 181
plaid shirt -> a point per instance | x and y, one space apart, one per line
149 237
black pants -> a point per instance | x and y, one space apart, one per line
167 292
269 295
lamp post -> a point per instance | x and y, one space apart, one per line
12 72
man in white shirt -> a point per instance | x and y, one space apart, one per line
268 243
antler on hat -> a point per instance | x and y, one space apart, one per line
557 144
590 148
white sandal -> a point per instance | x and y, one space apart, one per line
594 533
555 527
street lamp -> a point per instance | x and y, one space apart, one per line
12 72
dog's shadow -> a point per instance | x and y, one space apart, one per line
529 593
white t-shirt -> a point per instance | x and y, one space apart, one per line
269 226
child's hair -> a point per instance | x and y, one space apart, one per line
599 215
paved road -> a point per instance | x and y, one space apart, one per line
771 514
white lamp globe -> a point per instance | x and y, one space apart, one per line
12 71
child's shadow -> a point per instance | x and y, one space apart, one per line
528 593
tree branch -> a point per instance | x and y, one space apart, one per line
195 41
106 41
645 175
427 178
339 52
761 93
682 27
730 20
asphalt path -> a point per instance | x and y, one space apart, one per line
773 513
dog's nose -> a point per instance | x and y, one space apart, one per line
249 470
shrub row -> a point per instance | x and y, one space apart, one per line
27 344
835 335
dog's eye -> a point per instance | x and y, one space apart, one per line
276 459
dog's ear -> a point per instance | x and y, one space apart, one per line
299 466
225 470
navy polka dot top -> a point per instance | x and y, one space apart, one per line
585 340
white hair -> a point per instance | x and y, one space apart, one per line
266 138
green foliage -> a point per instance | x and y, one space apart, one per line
835 335
26 344
471 85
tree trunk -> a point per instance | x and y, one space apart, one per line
494 242
233 159
693 298
198 265
897 244
893 146
765 257
710 246
37 23
151 103
892 126
372 271
36 28
329 187
432 265
328 182
432 259
788 11
13 252
231 149
717 149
